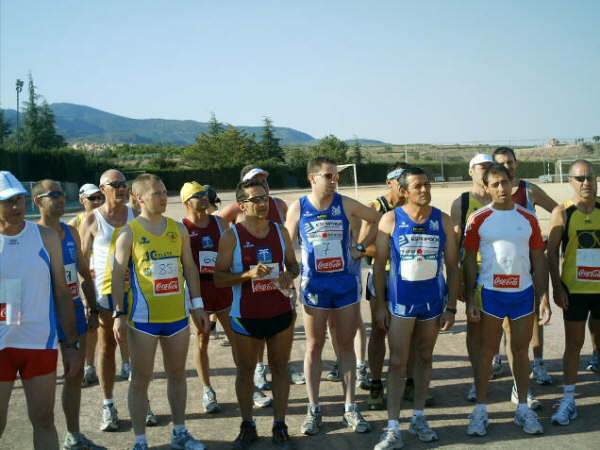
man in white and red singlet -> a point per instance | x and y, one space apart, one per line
505 234
33 297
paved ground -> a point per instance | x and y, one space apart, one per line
451 380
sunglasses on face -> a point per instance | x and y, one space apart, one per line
200 194
52 194
329 176
95 198
257 199
117 184
582 178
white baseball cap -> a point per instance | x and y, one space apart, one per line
10 186
88 189
252 173
480 158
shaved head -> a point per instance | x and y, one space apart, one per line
581 163
45 185
111 175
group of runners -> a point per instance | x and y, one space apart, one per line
134 277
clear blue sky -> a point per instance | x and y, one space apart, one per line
399 71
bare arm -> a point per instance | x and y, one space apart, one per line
230 212
557 228
451 260
367 214
87 284
382 253
292 268
292 219
282 206
456 216
541 198
122 254
540 273
88 229
191 273
365 230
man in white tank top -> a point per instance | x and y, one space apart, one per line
99 231
33 296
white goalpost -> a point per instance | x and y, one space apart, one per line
348 178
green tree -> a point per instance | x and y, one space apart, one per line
214 126
355 154
596 139
269 142
297 156
331 147
4 127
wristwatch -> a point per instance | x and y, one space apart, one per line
118 314
361 248
75 345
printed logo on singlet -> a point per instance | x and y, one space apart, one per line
144 240
207 242
502 281
326 237
264 255
588 255
419 256
72 279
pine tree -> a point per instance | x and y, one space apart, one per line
214 126
38 123
4 127
269 142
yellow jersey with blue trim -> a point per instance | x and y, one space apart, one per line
158 294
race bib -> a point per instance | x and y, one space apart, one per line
10 298
265 284
588 264
72 279
419 256
502 281
165 276
329 256
207 261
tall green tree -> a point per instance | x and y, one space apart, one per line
214 126
269 142
331 147
355 153
39 123
4 127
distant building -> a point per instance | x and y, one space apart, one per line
553 142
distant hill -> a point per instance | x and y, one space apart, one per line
79 123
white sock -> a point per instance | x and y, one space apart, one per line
206 389
178 429
109 401
418 412
569 391
349 407
141 439
522 407
394 425
259 366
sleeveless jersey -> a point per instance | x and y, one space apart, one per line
79 219
259 298
69 249
275 213
326 242
417 256
25 275
522 196
103 252
581 250
382 206
468 205
205 244
157 289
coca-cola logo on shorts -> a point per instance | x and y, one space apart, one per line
166 286
507 281
588 273
330 264
2 312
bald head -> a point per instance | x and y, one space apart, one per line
111 175
44 186
581 165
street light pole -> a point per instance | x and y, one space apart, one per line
19 86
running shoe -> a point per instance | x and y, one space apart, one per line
151 419
390 439
479 422
225 342
532 400
184 441
246 437
362 376
260 399
209 401
593 363
540 373
472 395
297 377
354 419
312 421
125 371
497 366
110 418
281 438
420 428
375 399
567 411
260 378
529 421
89 376
80 443
334 373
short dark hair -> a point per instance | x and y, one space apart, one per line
38 187
410 170
240 190
316 163
495 169
505 151
398 165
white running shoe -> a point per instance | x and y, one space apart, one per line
567 411
185 441
479 422
390 439
529 421
593 363
260 399
540 373
532 400
110 418
209 401
362 377
125 371
472 395
260 378
420 428
497 365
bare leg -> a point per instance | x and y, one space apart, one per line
315 321
376 347
346 321
360 341
520 337
71 394
175 349
40 393
201 348
279 347
246 350
425 335
90 354
574 339
106 353
491 333
399 338
474 345
5 391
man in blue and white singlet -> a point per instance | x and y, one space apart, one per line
418 239
330 285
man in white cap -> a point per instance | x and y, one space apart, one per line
33 296
466 204
90 196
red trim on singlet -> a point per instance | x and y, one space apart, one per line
275 213
520 195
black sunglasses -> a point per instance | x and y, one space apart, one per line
117 184
52 194
200 194
95 198
582 178
257 199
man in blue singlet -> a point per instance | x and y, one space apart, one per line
418 239
330 285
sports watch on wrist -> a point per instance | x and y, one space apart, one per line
74 345
361 248
116 314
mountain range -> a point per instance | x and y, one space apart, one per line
80 123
